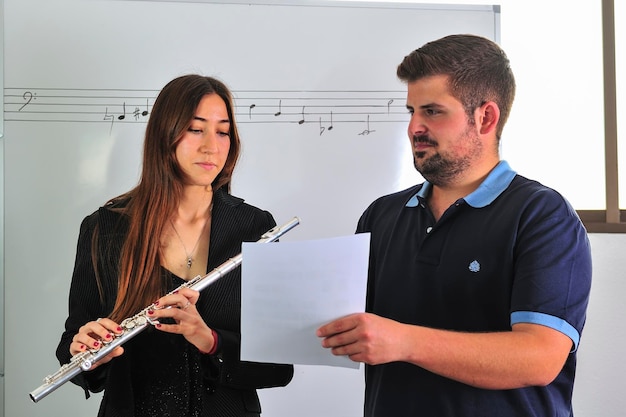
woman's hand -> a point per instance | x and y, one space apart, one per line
181 307
93 335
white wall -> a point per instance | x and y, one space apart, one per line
599 390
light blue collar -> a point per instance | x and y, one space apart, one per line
496 182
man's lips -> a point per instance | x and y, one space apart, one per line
421 146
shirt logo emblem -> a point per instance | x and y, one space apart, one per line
474 266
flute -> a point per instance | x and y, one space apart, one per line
134 325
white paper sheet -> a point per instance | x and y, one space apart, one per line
289 289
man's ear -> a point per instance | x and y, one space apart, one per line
488 117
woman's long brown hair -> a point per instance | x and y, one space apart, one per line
158 192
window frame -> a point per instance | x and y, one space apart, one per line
612 219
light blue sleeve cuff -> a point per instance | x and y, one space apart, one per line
547 320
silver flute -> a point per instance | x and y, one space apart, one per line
134 325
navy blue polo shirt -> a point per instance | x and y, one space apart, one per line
511 251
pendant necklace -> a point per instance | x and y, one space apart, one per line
190 254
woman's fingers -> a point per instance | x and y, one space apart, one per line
94 334
181 299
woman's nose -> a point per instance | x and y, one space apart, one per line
209 143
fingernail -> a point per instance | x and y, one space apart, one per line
108 336
119 328
150 312
158 325
175 292
82 347
156 303
96 344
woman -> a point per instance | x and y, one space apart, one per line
178 222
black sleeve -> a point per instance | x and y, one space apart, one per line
84 305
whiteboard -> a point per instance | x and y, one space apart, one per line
322 119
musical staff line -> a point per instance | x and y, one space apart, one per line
324 109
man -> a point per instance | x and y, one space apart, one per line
479 278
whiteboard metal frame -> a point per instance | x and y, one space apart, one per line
2 208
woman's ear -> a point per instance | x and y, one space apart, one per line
488 117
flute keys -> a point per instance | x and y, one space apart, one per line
86 365
133 322
128 323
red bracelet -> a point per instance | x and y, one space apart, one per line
214 348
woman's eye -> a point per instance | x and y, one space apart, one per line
195 130
223 133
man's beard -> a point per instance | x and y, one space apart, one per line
440 170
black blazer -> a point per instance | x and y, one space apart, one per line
162 373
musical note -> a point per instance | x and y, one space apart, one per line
250 110
123 115
145 112
280 105
367 131
28 96
331 121
322 128
388 105
302 120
